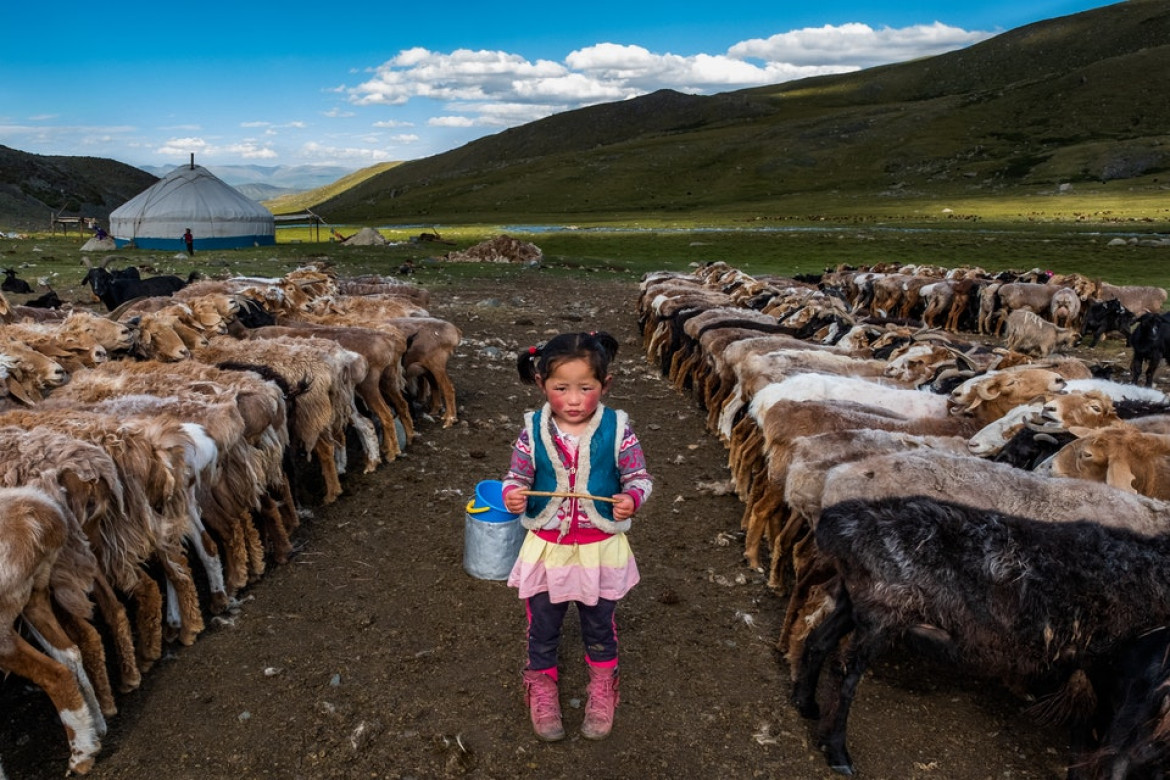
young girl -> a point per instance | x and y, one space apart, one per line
576 548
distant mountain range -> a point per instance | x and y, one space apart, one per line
263 182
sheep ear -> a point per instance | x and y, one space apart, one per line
1119 475
21 393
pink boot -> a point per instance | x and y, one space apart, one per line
603 698
540 694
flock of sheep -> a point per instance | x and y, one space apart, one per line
168 429
1007 510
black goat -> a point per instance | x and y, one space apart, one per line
114 288
1029 448
1105 317
1146 665
1053 606
49 300
14 285
1150 340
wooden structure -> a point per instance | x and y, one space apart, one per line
66 223
309 218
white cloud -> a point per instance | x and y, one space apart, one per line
182 146
245 149
501 89
249 151
451 121
390 123
405 138
319 152
856 44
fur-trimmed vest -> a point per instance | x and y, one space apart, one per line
597 470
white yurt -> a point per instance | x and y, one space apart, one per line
192 197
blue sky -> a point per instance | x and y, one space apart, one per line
357 83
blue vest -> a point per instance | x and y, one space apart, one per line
597 469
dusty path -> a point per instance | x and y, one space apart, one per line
374 654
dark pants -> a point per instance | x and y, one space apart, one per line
190 248
598 630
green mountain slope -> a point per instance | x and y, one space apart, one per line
1074 99
34 187
298 202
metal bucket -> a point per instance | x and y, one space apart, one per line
491 534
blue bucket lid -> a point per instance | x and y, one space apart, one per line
489 496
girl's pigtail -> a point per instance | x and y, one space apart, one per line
607 344
526 364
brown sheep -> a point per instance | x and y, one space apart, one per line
989 396
152 468
1129 460
431 343
1030 334
383 349
35 531
261 406
321 412
87 477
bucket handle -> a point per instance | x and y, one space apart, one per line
471 511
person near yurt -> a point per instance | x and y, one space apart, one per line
191 197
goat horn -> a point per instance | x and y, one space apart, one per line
85 261
965 359
108 259
121 309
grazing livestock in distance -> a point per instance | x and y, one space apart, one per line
13 284
994 592
49 300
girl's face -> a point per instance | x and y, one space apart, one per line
573 391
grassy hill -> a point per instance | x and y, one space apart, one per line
1068 105
295 203
1065 119
34 187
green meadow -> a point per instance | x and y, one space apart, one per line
787 247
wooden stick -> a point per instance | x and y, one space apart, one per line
555 494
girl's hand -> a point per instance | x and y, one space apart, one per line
514 501
625 506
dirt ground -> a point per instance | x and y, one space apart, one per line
374 655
